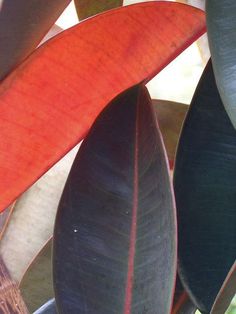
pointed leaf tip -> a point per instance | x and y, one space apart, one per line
115 230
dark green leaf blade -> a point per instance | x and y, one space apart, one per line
221 25
204 182
115 232
87 8
23 25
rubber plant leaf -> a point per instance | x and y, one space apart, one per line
115 229
182 304
36 284
170 117
47 308
113 51
10 298
87 8
221 25
23 24
226 293
204 181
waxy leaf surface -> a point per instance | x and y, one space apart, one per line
23 24
115 232
221 26
87 8
49 103
204 182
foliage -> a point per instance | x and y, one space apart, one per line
123 231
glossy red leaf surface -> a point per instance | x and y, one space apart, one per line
23 24
115 232
204 181
87 8
48 104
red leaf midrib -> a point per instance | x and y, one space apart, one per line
133 232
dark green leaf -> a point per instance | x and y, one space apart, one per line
115 234
205 188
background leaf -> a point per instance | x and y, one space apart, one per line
182 304
23 24
170 117
226 292
87 8
221 25
115 230
32 221
10 297
39 128
4 219
204 181
48 308
36 285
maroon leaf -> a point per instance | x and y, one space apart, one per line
23 23
115 232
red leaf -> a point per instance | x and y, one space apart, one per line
23 24
48 104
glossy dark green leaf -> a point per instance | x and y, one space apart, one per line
205 190
226 293
182 303
115 232
36 285
221 26
47 308
23 24
87 8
